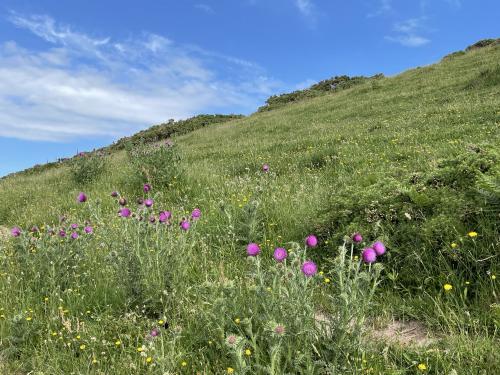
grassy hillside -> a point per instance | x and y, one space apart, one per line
410 160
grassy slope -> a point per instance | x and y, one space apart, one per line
362 144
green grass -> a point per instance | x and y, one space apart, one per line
411 160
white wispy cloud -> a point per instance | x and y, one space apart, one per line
205 8
88 86
382 7
455 3
307 9
408 33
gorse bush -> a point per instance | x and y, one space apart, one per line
86 168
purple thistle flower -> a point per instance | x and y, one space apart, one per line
146 187
369 255
74 235
196 214
185 225
114 194
164 216
34 229
279 329
62 233
88 229
253 249
122 202
309 268
16 231
74 226
148 202
311 241
154 333
265 167
379 248
357 238
81 197
231 339
280 254
125 212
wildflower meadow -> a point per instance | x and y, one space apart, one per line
352 233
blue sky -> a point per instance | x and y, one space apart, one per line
77 74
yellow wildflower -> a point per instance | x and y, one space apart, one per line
82 347
472 234
493 277
422 366
453 245
184 364
448 287
28 318
118 342
327 280
237 320
230 370
248 352
149 360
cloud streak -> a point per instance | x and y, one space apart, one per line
407 33
86 86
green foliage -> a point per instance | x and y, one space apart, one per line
483 43
87 168
172 128
157 164
334 84
410 160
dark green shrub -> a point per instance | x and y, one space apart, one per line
86 168
483 43
157 164
333 84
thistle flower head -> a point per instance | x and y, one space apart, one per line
114 194
155 332
88 229
16 231
311 240
369 255
81 197
185 225
125 212
122 202
146 187
309 268
148 202
280 254
74 226
265 167
74 235
379 248
196 214
164 216
357 238
253 249
279 329
62 233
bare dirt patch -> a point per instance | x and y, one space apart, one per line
404 333
4 232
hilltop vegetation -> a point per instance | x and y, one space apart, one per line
411 161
